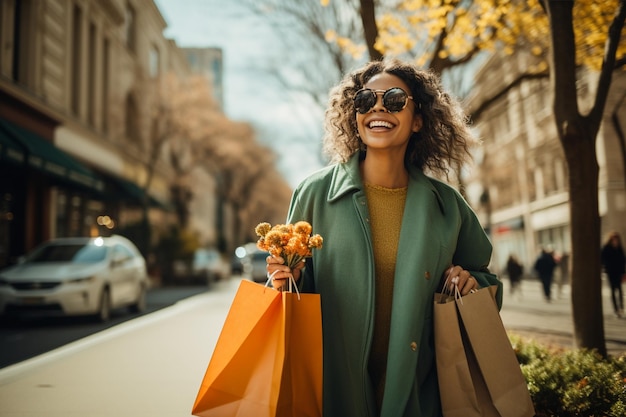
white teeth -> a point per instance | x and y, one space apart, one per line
380 123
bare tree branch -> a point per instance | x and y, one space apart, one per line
475 113
370 29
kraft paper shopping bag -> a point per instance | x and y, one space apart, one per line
494 354
462 390
268 357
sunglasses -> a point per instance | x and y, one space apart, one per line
394 100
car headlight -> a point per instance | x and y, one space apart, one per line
83 280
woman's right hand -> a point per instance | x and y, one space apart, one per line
280 273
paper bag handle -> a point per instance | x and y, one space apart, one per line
292 283
447 291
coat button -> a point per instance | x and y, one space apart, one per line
413 346
427 275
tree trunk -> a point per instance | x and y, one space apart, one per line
577 135
580 152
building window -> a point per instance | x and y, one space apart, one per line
538 181
105 86
77 25
91 75
22 42
559 173
540 97
154 61
130 28
132 117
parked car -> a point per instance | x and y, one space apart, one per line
76 276
255 266
236 265
206 266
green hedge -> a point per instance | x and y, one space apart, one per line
572 382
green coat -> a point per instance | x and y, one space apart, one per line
438 229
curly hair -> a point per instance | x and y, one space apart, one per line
444 139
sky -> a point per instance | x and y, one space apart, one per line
283 121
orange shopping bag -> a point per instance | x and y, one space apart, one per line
268 358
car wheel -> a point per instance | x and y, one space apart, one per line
140 304
104 311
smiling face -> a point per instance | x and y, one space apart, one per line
381 130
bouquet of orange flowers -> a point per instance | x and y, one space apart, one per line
292 242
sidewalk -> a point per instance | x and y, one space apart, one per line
529 315
148 367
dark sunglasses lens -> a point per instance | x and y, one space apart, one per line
394 99
364 100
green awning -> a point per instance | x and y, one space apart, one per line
11 150
42 155
132 192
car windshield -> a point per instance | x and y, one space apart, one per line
259 256
76 253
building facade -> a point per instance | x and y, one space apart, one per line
520 185
209 63
74 126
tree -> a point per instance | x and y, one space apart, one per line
245 172
322 42
577 134
189 131
186 121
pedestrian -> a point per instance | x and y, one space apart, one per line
614 262
392 236
544 266
514 270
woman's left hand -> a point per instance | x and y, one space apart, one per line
460 277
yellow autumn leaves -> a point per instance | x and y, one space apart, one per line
465 27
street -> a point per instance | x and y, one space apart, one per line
153 365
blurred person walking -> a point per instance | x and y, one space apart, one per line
544 266
514 270
613 261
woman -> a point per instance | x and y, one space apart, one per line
614 261
391 234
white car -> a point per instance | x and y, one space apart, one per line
206 266
76 276
255 266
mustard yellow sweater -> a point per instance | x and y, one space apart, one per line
386 207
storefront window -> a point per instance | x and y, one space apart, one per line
76 214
